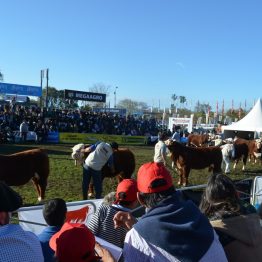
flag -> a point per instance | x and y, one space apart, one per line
232 106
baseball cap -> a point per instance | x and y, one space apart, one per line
74 242
9 199
129 188
114 145
153 178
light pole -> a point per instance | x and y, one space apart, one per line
115 95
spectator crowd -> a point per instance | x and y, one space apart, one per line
42 121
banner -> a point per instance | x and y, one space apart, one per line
20 89
32 217
53 137
87 96
86 138
119 111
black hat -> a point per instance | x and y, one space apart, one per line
9 199
114 145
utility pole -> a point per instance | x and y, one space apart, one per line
47 77
115 95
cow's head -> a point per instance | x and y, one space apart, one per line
77 154
258 144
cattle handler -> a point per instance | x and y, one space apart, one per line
100 154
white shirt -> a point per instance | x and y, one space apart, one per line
97 159
137 249
160 151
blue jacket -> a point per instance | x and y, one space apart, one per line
44 238
179 228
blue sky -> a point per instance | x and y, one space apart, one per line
206 50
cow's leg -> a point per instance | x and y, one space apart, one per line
227 162
180 179
37 187
235 164
91 189
186 174
244 162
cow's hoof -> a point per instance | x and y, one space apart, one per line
184 185
90 195
39 199
179 183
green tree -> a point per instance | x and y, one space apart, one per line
56 99
99 88
132 106
1 77
182 100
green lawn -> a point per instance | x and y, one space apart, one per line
65 179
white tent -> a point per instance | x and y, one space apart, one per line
250 125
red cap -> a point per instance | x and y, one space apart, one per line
151 172
129 187
74 242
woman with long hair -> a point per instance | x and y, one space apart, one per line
236 223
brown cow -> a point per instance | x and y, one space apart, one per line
198 140
124 163
17 169
254 147
187 158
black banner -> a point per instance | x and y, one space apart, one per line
87 96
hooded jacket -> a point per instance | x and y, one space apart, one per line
245 233
177 227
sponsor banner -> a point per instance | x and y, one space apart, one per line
24 90
119 111
17 98
86 138
53 137
87 96
31 136
31 218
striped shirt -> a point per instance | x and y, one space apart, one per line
17 245
102 225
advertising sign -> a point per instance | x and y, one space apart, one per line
75 138
119 111
86 96
20 89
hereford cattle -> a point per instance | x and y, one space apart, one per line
254 147
124 163
187 158
234 152
17 169
198 140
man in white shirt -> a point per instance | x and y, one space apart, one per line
101 153
160 149
16 245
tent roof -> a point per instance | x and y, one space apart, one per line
251 122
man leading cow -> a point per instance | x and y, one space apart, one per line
100 154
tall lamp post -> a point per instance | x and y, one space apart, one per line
115 95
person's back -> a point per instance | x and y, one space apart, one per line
102 224
54 212
19 245
16 244
241 237
97 159
237 224
171 230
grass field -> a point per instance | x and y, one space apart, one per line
65 179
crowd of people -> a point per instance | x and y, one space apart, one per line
146 217
42 120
